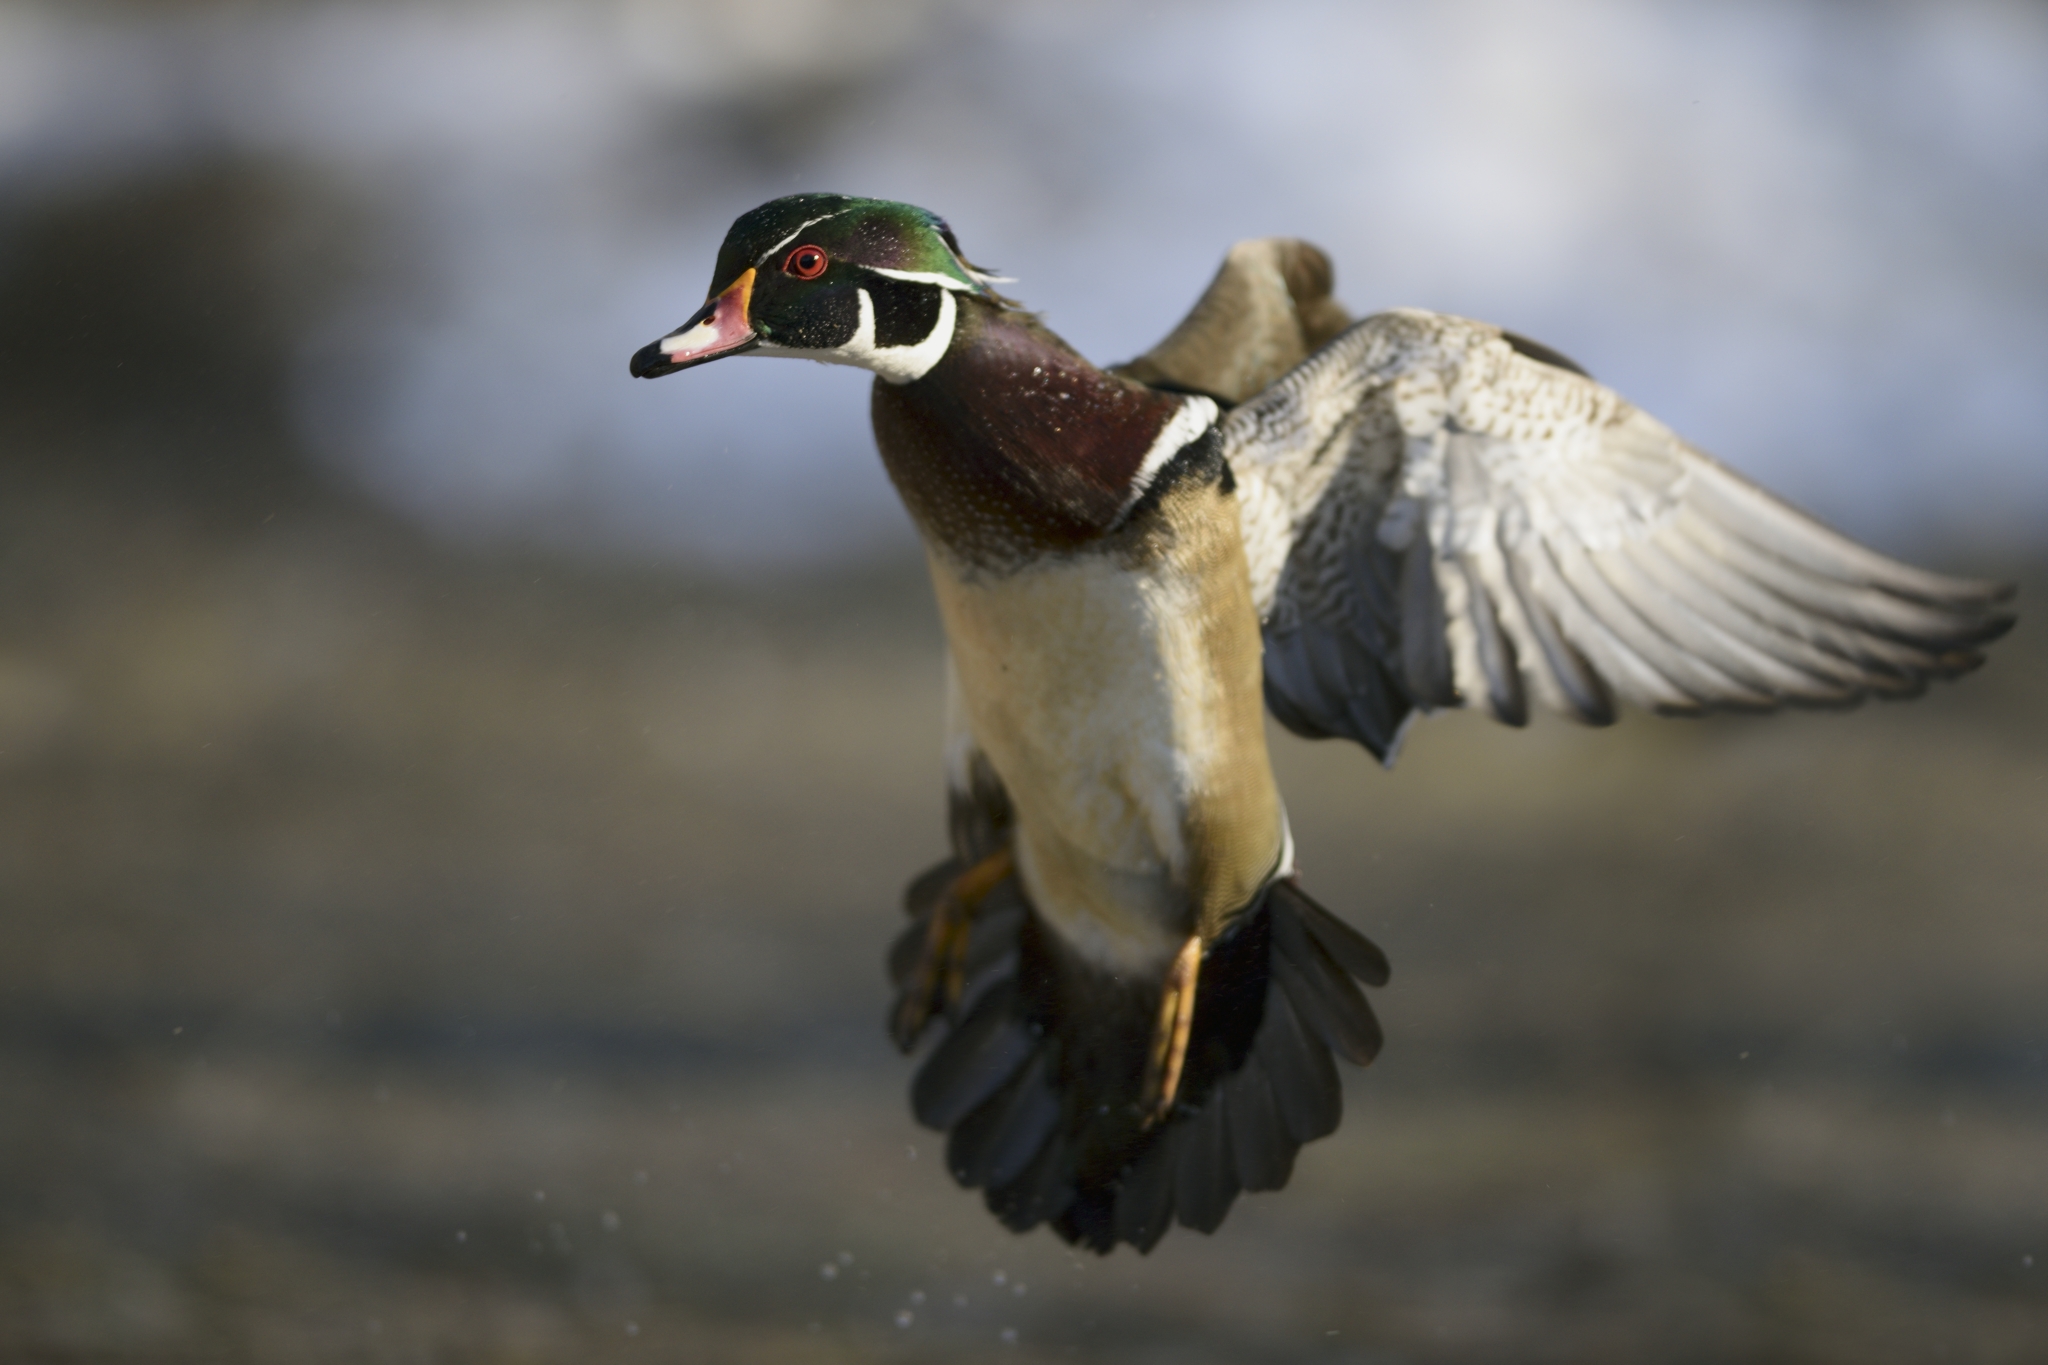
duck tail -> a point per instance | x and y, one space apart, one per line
1039 1078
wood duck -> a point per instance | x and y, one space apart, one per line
1275 509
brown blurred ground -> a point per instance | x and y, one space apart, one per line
417 955
420 957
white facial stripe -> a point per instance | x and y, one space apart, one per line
943 281
862 347
901 364
1194 416
800 229
897 364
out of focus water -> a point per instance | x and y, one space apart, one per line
453 799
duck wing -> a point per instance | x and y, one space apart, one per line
1266 311
1438 513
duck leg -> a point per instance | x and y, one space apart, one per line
1170 1038
940 973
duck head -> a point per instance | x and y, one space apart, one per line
829 277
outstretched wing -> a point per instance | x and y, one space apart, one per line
1437 512
1266 310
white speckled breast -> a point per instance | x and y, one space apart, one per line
1117 694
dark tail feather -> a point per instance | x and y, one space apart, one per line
1039 1077
1322 993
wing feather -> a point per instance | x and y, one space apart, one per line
1436 513
1584 691
1777 661
1747 666
1852 661
1495 654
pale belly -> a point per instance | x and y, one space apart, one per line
1121 706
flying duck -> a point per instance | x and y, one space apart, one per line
1277 509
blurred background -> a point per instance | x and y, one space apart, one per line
453 799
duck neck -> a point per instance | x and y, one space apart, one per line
1013 446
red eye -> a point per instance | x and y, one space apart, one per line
806 263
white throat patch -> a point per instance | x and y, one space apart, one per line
897 364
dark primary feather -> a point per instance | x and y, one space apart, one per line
1325 999
1205 1182
1351 950
1425 650
1259 1145
976 1058
1536 350
1143 1199
1306 1091
1042 1193
996 1142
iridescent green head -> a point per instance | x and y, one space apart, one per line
829 277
